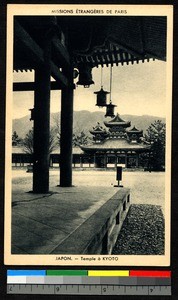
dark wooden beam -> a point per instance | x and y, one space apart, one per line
132 59
36 54
111 59
42 123
115 55
61 53
126 57
105 58
30 86
66 134
102 60
121 56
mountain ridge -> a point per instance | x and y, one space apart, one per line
84 120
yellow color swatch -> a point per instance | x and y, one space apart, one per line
108 273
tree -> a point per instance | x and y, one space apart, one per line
15 139
155 137
56 128
53 140
28 141
80 139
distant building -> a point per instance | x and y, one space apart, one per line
116 146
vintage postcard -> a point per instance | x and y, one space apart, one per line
88 135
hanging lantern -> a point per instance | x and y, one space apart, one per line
75 73
85 75
32 114
110 110
110 106
101 97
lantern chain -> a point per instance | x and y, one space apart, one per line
110 83
101 77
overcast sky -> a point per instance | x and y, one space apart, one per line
138 89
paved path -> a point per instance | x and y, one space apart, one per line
41 222
146 188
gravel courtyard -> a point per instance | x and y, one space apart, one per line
142 232
144 224
146 188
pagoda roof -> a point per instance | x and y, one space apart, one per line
135 130
98 129
114 144
101 91
117 121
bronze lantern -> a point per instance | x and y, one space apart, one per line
101 97
110 110
85 75
32 118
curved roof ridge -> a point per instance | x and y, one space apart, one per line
117 120
134 129
97 128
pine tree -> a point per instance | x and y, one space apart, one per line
155 136
15 139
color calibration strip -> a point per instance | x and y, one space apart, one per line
97 282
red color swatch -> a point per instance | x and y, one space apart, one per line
140 273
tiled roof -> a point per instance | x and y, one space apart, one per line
115 144
19 150
117 121
101 91
98 129
134 129
75 150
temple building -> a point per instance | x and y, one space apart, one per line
55 46
113 145
116 146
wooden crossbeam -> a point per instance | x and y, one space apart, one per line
36 53
111 59
105 58
132 59
30 86
61 53
102 59
122 58
96 58
115 55
127 58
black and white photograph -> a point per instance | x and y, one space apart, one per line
88 135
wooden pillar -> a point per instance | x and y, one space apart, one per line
115 160
125 159
89 160
137 160
66 133
42 124
80 162
51 161
94 160
106 160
